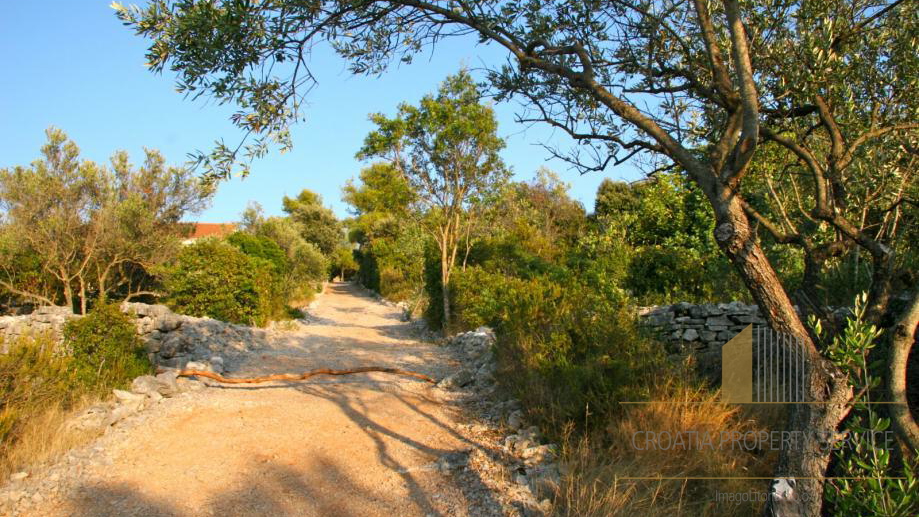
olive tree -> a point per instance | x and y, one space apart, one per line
91 231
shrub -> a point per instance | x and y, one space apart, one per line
31 376
572 351
105 351
213 278
260 247
306 268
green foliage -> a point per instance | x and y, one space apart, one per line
573 351
667 225
307 267
447 150
213 278
271 265
868 455
75 231
391 241
105 351
343 263
32 377
261 247
318 225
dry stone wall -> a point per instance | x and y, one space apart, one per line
699 331
172 340
44 320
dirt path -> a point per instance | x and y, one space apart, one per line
361 445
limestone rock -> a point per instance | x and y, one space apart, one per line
459 379
515 420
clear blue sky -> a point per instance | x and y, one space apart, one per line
71 64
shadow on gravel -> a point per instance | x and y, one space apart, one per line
273 489
473 489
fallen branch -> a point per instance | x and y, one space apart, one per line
301 376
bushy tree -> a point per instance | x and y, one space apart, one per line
306 267
390 241
447 149
213 278
667 227
318 224
76 231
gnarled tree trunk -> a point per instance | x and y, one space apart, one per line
901 343
797 489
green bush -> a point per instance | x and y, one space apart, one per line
568 350
105 351
213 278
262 247
306 266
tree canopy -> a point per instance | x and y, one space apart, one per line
75 230
447 151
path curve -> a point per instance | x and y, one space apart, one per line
359 445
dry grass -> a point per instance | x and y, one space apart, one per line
38 395
598 465
41 438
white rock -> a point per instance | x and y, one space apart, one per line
19 476
515 420
127 396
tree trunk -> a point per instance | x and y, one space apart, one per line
68 295
797 489
82 296
445 286
902 341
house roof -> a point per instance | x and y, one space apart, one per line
211 229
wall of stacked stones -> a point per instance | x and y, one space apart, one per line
699 331
171 340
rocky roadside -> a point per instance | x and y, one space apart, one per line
149 398
512 460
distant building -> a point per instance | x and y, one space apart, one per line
199 230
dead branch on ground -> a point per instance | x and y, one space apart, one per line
301 376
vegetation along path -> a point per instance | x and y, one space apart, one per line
359 445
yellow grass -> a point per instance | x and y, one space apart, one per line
598 466
43 437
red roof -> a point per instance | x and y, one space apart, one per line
211 229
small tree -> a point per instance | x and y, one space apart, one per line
447 150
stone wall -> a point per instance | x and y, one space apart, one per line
43 320
699 331
172 340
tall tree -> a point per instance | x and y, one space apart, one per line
391 242
318 223
703 87
446 148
